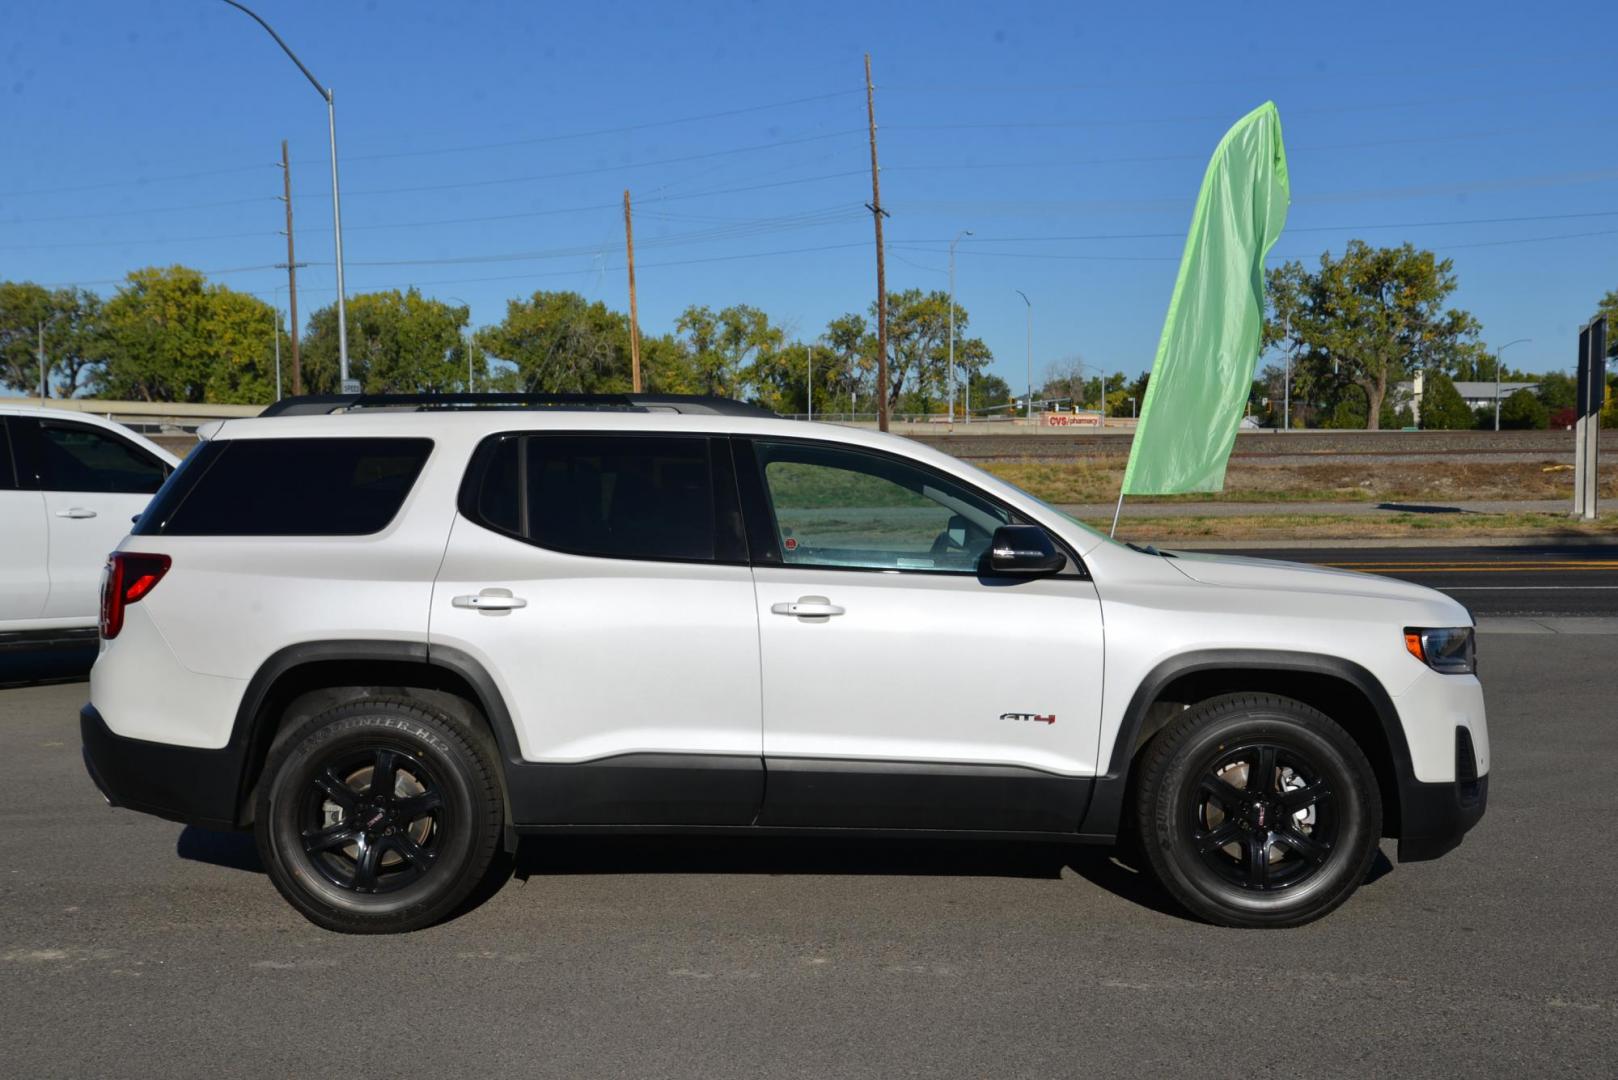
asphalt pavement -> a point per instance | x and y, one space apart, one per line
1527 579
131 946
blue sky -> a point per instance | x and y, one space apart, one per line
484 150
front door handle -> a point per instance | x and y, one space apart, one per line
76 512
494 601
807 607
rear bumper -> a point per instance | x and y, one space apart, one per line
1434 817
181 783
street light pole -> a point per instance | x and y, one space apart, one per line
952 243
1030 410
336 202
1497 353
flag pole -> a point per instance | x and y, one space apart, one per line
1116 511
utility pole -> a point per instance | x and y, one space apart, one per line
1030 303
1497 353
44 389
292 265
952 243
275 331
811 382
877 214
634 324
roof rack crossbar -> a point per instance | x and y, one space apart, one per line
696 404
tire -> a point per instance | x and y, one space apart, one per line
389 861
1257 811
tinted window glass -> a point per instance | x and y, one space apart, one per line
844 508
288 487
8 475
644 497
78 457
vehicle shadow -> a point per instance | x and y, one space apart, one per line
232 850
563 856
44 667
1106 869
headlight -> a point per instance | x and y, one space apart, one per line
1451 649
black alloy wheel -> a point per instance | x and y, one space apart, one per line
1263 817
380 815
372 819
1255 810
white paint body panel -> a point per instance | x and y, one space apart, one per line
609 656
922 667
24 557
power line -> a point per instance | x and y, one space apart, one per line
141 210
137 182
465 149
536 140
1308 229
602 168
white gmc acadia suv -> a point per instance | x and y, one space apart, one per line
392 634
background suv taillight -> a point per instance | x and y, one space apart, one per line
129 576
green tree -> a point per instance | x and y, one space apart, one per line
852 344
74 343
171 336
726 345
398 343
1609 308
1442 407
559 342
1523 410
1372 317
1557 390
988 391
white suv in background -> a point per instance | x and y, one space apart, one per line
70 483
392 634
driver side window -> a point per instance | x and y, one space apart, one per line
836 507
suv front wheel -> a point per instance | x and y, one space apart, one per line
1257 811
378 816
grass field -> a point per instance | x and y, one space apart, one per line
1096 479
1307 526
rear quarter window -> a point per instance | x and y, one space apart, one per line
287 487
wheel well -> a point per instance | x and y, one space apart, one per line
310 688
1338 698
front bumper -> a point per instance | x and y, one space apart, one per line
1433 817
181 783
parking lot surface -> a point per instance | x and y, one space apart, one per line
131 946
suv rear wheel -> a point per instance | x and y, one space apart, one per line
378 816
1257 811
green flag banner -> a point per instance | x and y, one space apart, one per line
1204 368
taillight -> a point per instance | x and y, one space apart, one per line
129 576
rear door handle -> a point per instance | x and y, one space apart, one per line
494 601
807 606
76 512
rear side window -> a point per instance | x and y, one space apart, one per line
60 455
287 487
647 497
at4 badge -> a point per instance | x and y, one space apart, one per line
1036 718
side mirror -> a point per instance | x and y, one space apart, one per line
1025 550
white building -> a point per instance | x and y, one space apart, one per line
1475 394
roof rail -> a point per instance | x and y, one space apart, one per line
325 404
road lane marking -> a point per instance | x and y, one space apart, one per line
1526 588
1476 568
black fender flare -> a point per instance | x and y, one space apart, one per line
1106 810
251 735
